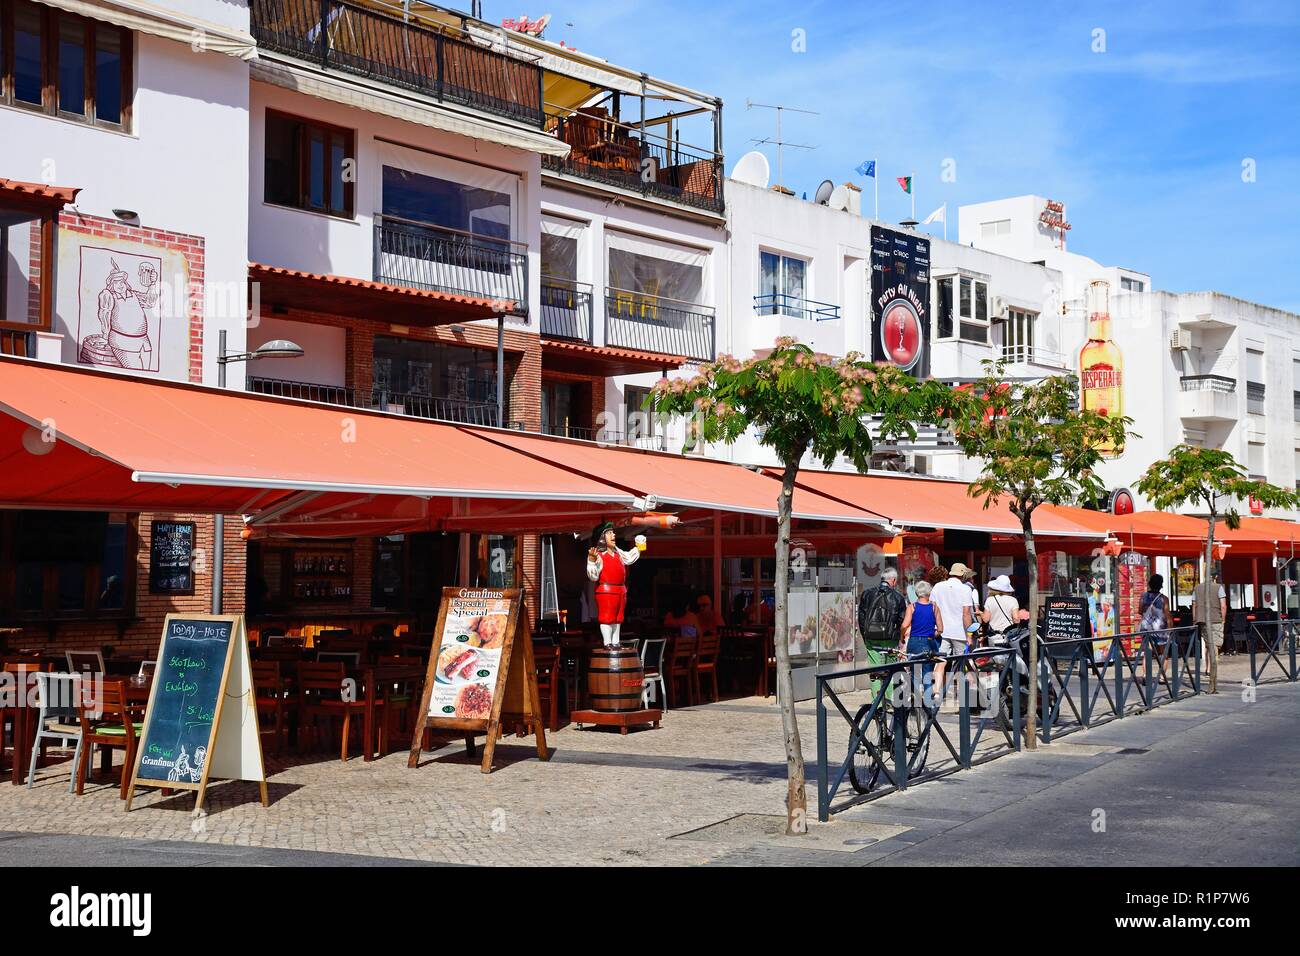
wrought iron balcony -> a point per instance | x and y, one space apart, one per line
379 399
779 303
365 42
607 151
420 255
653 323
566 309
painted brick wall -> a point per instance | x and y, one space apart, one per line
190 248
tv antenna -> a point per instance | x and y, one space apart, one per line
777 141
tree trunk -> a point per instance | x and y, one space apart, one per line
796 795
1207 612
1031 560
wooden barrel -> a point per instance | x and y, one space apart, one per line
614 680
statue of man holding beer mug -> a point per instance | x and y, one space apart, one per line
607 567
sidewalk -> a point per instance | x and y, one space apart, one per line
706 786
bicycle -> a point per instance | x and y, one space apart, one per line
876 743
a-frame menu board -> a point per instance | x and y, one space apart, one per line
481 671
201 720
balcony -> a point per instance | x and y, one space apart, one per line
420 255
778 303
653 323
566 309
1208 398
416 406
355 39
606 151
1033 355
605 437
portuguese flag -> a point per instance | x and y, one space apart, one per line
906 183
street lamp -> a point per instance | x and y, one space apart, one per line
276 348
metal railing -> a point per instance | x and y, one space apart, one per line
566 309
1277 641
1033 355
779 303
421 255
603 436
1208 383
365 42
900 702
1075 674
607 151
652 323
432 407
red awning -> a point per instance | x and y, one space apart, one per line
915 502
579 358
684 481
343 295
35 198
99 440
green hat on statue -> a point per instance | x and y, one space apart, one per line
598 535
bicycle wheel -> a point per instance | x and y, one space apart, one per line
863 770
918 742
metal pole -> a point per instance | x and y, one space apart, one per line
219 523
501 351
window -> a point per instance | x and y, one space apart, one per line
560 257
781 284
1254 382
64 65
1255 461
446 203
971 319
1131 285
638 422
69 564
452 380
1000 227
1295 388
306 163
1018 343
633 272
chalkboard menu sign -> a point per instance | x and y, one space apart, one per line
171 551
187 686
201 720
1067 619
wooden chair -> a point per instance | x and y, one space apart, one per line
272 698
706 662
401 701
549 679
110 722
320 695
681 667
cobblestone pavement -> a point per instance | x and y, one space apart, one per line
603 798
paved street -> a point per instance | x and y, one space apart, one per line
1205 780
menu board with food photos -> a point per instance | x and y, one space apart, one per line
481 670
171 552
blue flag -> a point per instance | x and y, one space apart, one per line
868 168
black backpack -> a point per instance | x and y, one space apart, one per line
879 618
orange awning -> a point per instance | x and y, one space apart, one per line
679 480
123 443
579 358
363 298
914 502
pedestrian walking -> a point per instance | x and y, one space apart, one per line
919 633
952 597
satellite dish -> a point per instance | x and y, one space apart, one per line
824 192
839 197
752 170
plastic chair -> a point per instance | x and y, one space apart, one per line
652 666
57 719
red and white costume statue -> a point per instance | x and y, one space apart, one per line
608 568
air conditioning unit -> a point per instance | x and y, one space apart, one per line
1180 340
999 308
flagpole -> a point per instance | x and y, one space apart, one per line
945 222
875 185
912 192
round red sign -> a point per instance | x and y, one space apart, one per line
900 334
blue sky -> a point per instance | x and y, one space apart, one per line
1144 141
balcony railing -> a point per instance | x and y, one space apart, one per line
1033 355
566 309
652 323
605 436
379 399
779 303
364 42
606 151
1208 383
420 255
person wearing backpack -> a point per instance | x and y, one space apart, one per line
881 610
1154 608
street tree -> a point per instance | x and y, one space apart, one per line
800 404
1212 479
1035 446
